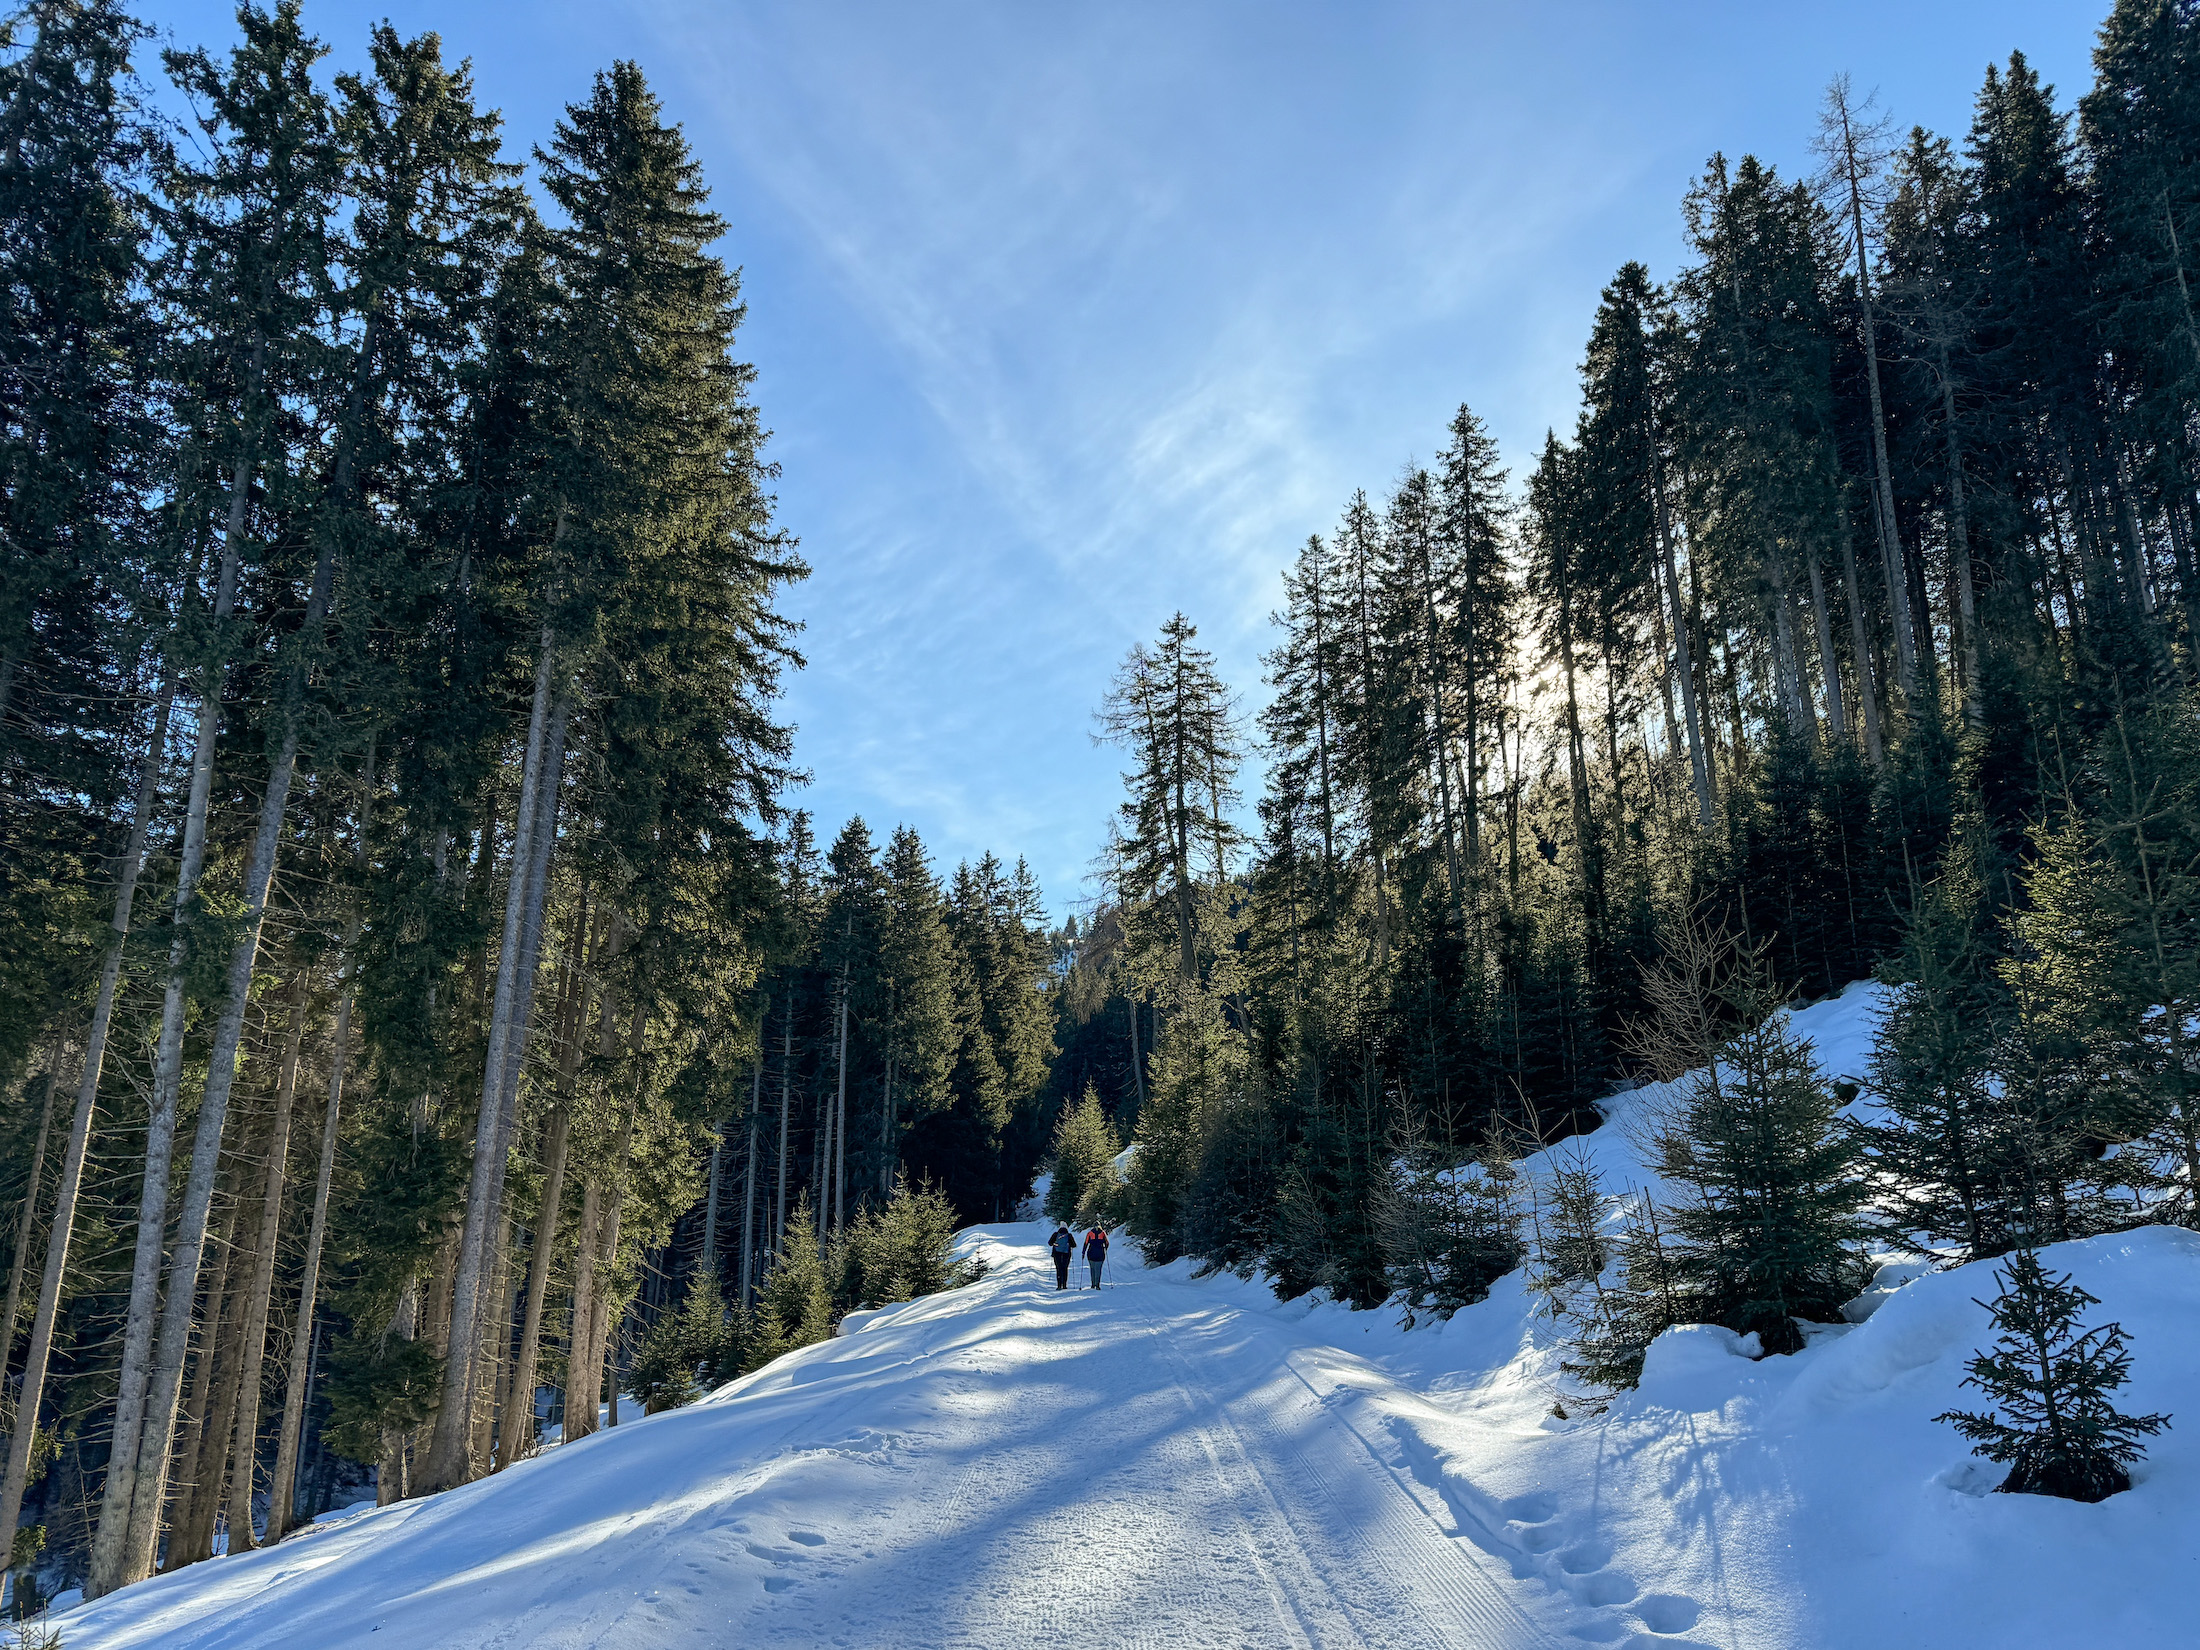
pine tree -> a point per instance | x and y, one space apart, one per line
2057 1426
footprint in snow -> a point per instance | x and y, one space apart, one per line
1667 1613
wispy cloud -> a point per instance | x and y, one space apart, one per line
1126 299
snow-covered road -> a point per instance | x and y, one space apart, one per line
1004 1466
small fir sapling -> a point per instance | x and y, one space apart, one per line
2055 1426
1567 1214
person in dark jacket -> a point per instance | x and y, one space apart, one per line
1062 1245
1096 1252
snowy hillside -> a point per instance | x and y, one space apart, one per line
1184 1462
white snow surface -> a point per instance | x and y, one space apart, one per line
1185 1462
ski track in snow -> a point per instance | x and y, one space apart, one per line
1148 1467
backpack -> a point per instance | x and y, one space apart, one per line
1062 1242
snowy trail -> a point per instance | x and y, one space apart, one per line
1146 1466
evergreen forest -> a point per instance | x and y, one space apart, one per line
427 1013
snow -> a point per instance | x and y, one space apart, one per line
1177 1461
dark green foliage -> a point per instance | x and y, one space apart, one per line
684 1348
1952 1154
1566 1226
901 1249
1450 1230
1618 1321
1769 1231
1083 1190
796 1306
2056 1425
1229 1201
378 1383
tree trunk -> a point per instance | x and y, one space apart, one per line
1668 660
299 1381
203 1435
1441 737
496 1333
1867 691
600 1320
1699 771
707 1258
1959 541
748 1172
245 1450
390 1474
111 1558
840 1121
786 1068
583 1373
1890 538
518 1438
63 1227
26 1223
491 1350
1829 663
131 1556
886 1133
447 1462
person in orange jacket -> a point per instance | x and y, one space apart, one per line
1096 1252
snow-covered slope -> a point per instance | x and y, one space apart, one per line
1186 1462
1805 1501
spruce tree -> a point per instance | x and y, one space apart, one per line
2056 1426
1954 1160
1082 1190
795 1308
915 970
1451 1230
1769 1232
1617 1323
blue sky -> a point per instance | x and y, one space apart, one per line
1070 316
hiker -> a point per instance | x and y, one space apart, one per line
1062 1245
1096 1251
